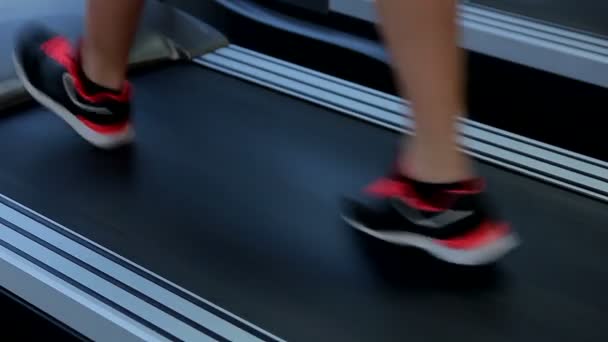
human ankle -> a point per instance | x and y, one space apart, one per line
104 79
439 166
101 74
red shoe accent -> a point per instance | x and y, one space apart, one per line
105 129
486 233
466 187
397 189
388 187
60 49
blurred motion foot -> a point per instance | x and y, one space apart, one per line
49 67
448 221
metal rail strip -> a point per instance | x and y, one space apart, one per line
100 294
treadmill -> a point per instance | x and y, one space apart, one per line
221 223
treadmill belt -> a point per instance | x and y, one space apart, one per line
232 190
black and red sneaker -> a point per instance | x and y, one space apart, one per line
48 66
448 221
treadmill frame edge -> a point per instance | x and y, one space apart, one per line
517 39
100 294
575 172
27 277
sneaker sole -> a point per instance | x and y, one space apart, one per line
104 141
483 255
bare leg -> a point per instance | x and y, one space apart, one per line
422 37
110 30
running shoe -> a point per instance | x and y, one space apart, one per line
48 65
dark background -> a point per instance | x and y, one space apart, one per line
21 322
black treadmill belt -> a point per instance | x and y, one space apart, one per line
231 192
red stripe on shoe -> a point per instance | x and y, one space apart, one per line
465 187
60 49
485 234
396 189
387 188
105 129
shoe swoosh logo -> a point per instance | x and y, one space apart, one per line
443 219
68 84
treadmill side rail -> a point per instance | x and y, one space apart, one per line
100 294
30 279
557 166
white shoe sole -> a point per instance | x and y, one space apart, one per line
104 141
469 257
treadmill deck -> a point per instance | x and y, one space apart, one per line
231 191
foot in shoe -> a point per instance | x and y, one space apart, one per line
49 68
448 221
